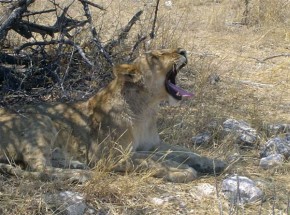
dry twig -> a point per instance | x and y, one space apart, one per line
124 32
5 1
38 12
137 43
51 42
152 33
93 4
94 33
275 56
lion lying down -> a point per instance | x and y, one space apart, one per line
118 121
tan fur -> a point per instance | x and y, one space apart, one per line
120 120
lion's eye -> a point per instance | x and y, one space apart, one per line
182 52
129 75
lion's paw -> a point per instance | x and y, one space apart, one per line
181 175
80 177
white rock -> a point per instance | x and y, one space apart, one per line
157 201
163 199
240 190
276 145
271 161
205 189
275 129
168 3
233 157
202 138
243 131
66 202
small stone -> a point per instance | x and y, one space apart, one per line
276 145
203 190
275 129
168 4
202 138
241 190
158 201
242 130
66 202
234 157
214 79
164 199
271 161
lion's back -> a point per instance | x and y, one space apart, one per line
21 134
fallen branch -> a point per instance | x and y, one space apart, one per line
53 42
7 76
6 1
25 29
14 16
14 60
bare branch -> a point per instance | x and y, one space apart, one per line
16 14
38 12
141 39
24 28
94 33
14 59
53 42
5 1
245 19
137 43
152 33
65 24
124 32
93 4
13 20
12 81
275 56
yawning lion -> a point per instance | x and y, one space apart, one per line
117 123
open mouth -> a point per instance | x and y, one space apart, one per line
170 84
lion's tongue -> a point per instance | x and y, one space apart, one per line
181 92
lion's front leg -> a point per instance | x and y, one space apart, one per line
158 167
183 155
60 160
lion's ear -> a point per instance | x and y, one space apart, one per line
126 71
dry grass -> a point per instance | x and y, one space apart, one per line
251 89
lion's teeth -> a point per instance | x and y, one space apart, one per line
178 94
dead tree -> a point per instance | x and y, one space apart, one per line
31 65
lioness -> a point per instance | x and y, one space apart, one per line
118 122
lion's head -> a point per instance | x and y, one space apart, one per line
156 72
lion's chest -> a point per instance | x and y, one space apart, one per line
145 135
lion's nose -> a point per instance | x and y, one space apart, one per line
182 52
